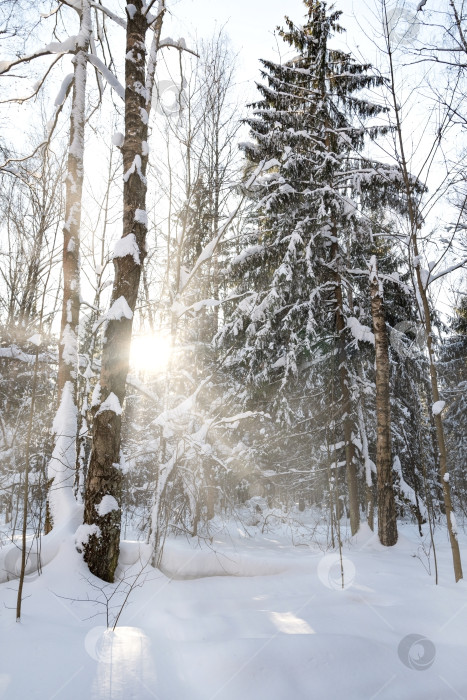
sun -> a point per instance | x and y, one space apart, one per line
150 353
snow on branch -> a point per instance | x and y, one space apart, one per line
107 74
111 403
179 44
240 416
60 47
74 4
177 413
446 271
64 89
391 277
135 167
258 170
179 309
360 332
14 353
118 311
148 8
127 245
83 533
438 407
246 253
106 506
111 15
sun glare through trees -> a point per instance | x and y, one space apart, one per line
150 353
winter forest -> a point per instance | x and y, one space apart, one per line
233 349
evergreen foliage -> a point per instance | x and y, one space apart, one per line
301 331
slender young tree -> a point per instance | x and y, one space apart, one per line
454 374
63 462
421 281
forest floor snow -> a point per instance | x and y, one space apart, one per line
241 618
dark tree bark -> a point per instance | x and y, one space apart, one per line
104 478
387 524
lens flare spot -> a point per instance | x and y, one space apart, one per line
150 353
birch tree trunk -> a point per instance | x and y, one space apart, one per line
61 470
387 525
367 463
102 512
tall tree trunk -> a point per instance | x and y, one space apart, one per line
387 525
102 512
351 469
61 471
443 468
88 346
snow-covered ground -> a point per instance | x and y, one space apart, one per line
242 618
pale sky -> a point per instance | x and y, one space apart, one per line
249 23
